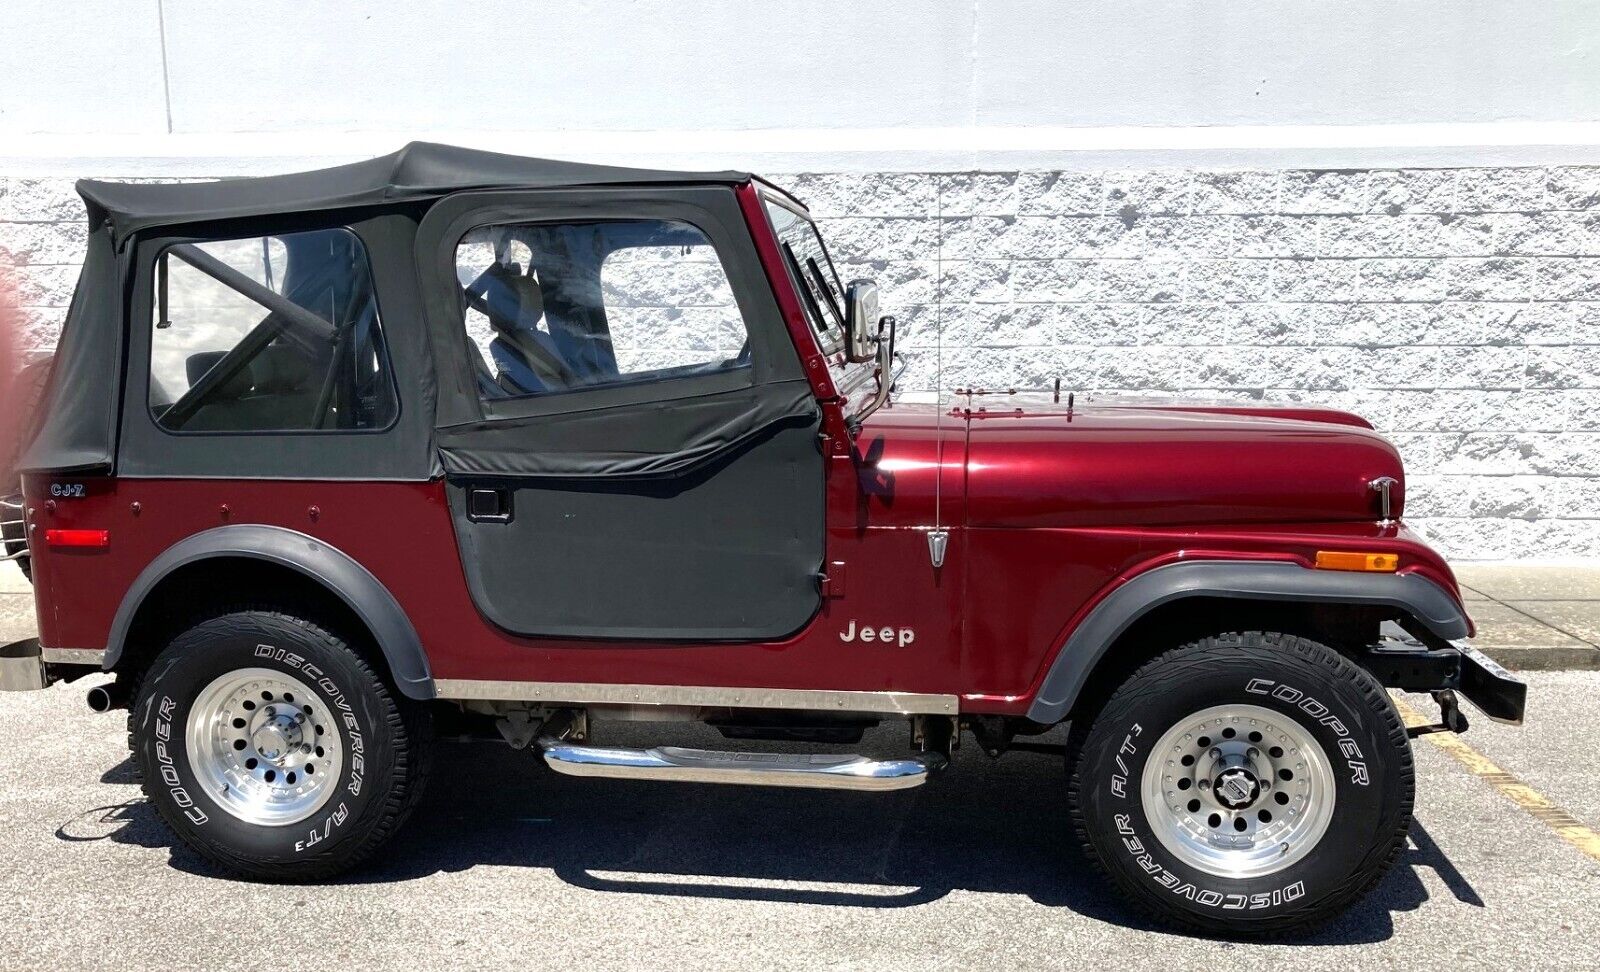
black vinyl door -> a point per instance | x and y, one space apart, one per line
728 549
635 453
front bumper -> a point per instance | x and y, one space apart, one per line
1451 666
1496 692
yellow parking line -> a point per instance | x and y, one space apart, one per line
1539 806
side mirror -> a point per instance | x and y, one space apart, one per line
861 319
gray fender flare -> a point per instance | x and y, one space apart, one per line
327 565
1088 643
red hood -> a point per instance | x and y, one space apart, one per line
1034 462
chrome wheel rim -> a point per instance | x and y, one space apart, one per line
1238 791
264 747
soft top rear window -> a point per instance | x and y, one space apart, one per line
269 334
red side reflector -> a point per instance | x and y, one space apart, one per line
78 538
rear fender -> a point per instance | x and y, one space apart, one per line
333 569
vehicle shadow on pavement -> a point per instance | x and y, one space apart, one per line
984 826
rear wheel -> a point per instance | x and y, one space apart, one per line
273 748
1246 783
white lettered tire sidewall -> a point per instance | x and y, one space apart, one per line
1338 704
344 688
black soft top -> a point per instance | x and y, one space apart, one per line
421 170
80 426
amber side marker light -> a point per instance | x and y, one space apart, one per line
1356 560
78 538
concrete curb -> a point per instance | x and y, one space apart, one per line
1545 658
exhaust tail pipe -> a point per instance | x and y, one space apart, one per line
104 698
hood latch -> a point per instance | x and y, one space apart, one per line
1383 485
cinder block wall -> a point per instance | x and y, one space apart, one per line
1458 309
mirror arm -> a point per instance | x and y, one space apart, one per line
885 377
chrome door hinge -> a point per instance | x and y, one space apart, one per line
938 541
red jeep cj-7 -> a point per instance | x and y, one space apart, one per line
329 459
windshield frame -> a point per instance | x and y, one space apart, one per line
826 325
827 321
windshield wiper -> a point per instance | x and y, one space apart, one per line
806 293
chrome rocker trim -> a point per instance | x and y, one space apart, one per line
710 697
74 656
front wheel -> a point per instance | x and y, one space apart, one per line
273 748
1246 783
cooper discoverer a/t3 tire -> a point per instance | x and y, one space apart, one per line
272 748
1247 783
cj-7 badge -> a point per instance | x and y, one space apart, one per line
899 636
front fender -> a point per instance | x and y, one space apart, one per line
1426 601
332 568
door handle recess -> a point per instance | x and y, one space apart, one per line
489 505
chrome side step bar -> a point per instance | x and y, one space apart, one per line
819 771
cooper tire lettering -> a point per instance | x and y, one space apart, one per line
1319 713
168 770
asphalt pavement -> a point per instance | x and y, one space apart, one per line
507 864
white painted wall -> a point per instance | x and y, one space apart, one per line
970 75
1279 62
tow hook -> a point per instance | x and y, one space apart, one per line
1451 718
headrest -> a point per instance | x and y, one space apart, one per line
273 370
197 365
514 299
279 371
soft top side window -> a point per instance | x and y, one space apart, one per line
551 308
269 334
